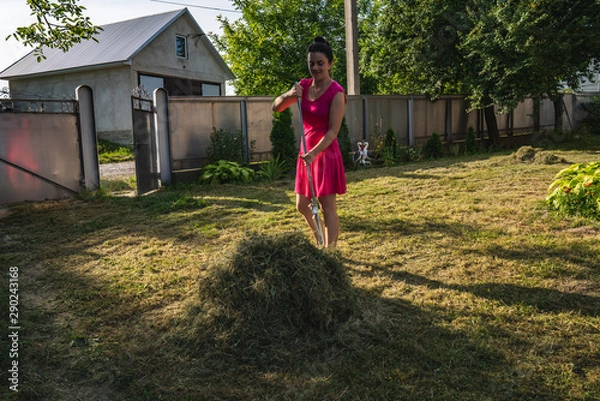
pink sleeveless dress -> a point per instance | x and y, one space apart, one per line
327 169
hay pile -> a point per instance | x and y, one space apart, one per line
534 155
273 288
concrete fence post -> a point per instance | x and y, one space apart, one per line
411 122
87 132
161 124
244 124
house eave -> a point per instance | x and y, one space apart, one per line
66 70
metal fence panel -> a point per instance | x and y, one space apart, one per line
368 117
260 123
41 154
523 116
144 140
355 119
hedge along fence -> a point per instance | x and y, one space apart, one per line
412 118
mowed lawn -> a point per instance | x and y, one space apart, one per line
468 289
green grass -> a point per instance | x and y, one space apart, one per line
109 152
468 289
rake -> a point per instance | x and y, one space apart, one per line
314 203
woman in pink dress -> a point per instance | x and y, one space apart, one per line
323 102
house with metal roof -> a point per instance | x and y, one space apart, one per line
168 50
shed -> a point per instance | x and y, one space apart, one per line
167 50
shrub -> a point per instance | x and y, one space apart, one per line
593 114
390 148
110 152
409 154
434 147
226 171
226 145
345 145
576 191
283 139
470 144
274 170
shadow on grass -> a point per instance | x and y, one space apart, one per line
541 299
585 255
390 350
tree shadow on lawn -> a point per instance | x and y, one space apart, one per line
397 226
389 350
586 255
96 343
542 299
550 300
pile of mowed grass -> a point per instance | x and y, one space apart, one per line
272 289
536 155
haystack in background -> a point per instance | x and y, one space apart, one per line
273 288
529 154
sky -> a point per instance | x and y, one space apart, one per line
16 13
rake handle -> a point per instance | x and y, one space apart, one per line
315 204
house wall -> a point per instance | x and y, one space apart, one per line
587 86
160 58
111 88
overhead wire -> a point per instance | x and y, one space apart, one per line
198 6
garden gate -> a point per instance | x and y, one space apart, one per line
151 141
47 148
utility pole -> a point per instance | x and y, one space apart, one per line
351 47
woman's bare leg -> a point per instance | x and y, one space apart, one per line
303 204
332 221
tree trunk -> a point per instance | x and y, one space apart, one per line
558 113
492 126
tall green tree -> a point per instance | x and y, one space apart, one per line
60 24
266 46
497 52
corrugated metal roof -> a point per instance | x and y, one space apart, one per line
117 44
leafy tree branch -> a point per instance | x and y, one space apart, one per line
59 25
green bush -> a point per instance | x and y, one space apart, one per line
345 145
390 148
576 191
470 144
226 145
283 138
110 152
434 148
225 171
273 170
593 118
409 154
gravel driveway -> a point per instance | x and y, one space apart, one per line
113 171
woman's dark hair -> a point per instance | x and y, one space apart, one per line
320 45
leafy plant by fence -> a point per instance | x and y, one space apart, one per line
593 117
283 138
390 148
226 145
470 143
225 171
345 145
434 147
